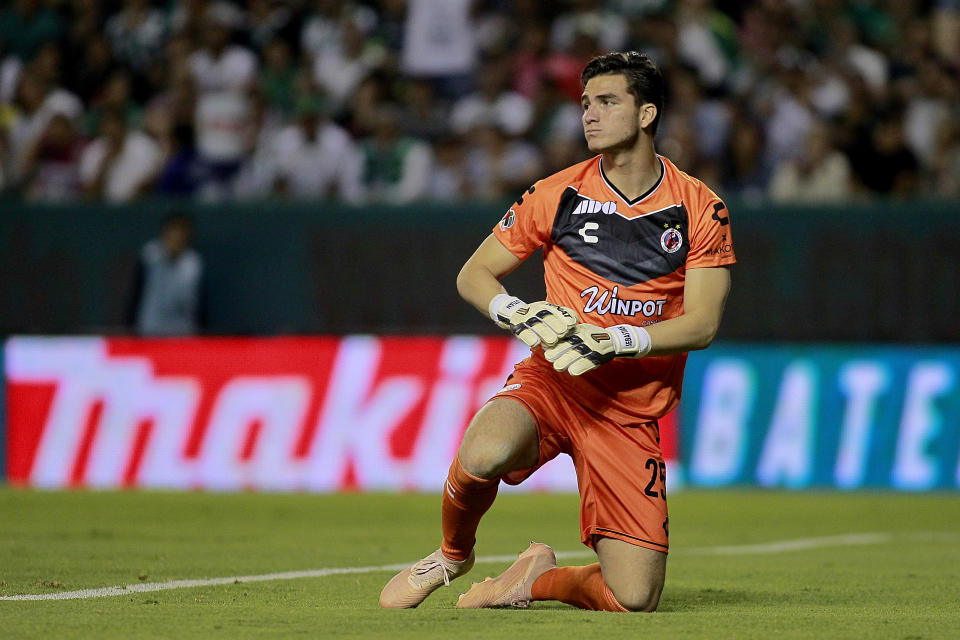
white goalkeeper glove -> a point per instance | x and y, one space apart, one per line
534 323
588 346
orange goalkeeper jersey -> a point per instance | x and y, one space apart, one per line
620 261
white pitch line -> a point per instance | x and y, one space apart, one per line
850 539
780 546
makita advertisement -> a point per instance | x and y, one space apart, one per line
364 412
317 414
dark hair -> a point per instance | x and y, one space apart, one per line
644 80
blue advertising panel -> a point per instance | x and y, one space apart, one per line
808 416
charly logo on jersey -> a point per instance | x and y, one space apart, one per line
671 240
588 205
608 301
507 221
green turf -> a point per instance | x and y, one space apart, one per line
907 587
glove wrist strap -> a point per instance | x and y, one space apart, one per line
501 306
630 340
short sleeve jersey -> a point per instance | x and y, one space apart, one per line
620 261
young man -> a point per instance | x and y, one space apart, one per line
635 257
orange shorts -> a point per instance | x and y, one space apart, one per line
620 469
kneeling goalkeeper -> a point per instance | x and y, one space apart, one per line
635 260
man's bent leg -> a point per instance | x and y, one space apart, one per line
634 574
627 578
581 587
502 437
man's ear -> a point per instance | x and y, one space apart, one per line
648 113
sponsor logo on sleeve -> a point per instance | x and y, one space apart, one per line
507 221
724 248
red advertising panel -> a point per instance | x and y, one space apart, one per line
284 414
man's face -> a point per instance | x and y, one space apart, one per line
611 118
176 238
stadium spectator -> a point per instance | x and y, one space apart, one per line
946 180
279 77
267 21
705 41
930 98
589 17
493 103
26 25
121 163
35 104
315 158
553 114
743 169
93 67
498 165
51 165
321 28
450 59
174 106
395 167
529 61
448 179
821 174
422 115
340 70
136 33
882 162
183 172
84 25
168 294
224 75
116 94
390 29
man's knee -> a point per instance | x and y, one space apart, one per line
501 438
638 598
483 461
635 575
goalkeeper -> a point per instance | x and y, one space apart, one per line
636 257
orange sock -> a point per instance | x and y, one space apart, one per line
583 587
465 499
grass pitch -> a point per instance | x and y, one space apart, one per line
723 579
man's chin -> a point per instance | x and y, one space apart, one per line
595 146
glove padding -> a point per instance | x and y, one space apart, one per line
535 323
589 346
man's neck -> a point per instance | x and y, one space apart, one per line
633 172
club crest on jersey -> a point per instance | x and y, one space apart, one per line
671 240
507 221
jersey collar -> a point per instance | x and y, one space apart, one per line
643 196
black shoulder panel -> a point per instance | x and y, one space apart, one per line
624 251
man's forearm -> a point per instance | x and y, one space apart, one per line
477 285
687 332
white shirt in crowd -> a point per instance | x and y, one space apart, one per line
138 162
510 112
438 38
235 69
328 164
224 113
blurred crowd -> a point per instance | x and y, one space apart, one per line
402 100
